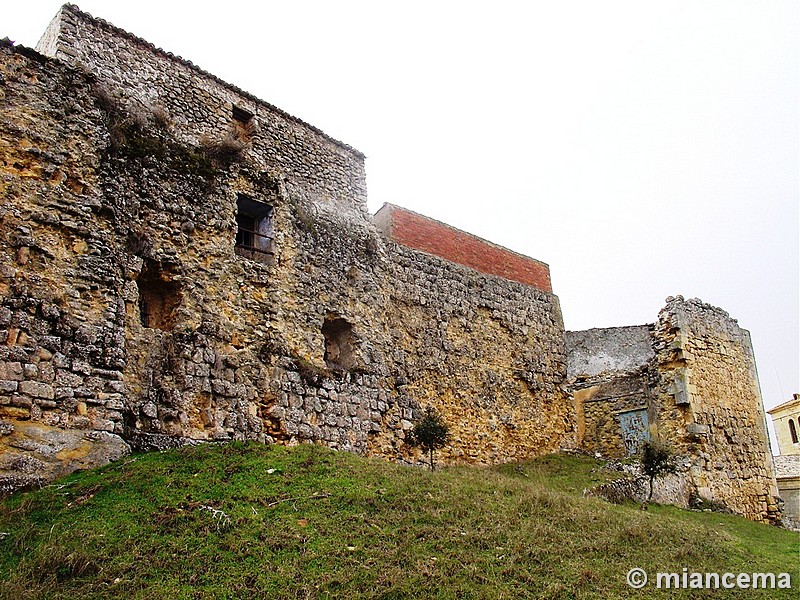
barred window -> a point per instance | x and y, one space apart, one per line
254 228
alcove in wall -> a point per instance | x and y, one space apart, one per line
339 344
159 297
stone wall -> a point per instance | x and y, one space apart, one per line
693 375
200 107
612 350
61 323
126 307
787 474
709 406
487 352
609 376
133 313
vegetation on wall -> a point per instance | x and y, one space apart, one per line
140 133
223 151
657 460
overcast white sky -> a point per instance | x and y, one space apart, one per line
642 149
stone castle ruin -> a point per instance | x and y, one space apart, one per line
181 261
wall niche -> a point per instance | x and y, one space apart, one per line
159 297
340 352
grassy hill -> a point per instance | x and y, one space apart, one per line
253 521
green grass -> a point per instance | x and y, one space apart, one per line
325 524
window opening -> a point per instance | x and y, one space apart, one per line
245 226
243 124
793 431
241 115
254 228
339 346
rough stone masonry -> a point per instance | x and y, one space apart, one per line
690 379
181 261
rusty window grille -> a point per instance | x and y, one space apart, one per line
251 240
254 227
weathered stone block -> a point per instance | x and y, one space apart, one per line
37 389
697 429
11 371
7 387
115 403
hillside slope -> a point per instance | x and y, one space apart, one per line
250 521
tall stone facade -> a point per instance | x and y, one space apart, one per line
181 261
690 380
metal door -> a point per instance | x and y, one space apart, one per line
635 429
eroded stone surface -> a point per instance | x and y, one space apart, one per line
693 375
33 454
109 212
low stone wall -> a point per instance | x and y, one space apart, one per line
608 374
787 474
676 488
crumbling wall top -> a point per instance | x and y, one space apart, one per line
611 349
